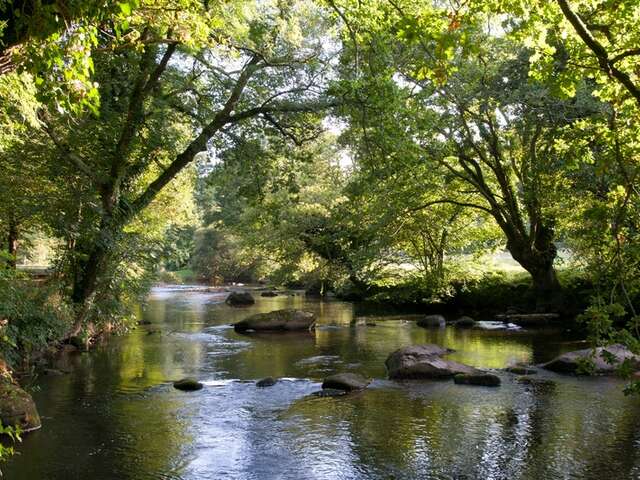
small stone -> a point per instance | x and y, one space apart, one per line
266 382
268 294
188 385
482 379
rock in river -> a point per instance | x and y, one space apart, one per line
431 321
266 382
188 384
346 381
238 299
464 322
424 362
482 379
278 320
269 294
591 360
17 408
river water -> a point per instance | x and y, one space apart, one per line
117 416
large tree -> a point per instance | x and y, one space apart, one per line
272 68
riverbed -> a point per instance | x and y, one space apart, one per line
117 416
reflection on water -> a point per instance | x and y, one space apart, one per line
116 415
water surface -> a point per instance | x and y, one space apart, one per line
116 416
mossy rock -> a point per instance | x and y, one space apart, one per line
188 385
17 408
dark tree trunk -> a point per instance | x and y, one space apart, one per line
537 258
12 245
87 274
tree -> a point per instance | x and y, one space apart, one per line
151 98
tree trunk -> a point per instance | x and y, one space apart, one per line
537 259
12 244
86 276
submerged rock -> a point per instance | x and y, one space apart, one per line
17 408
238 299
188 385
482 379
266 382
278 320
268 294
424 362
464 322
601 360
329 392
528 319
521 370
537 383
431 321
346 381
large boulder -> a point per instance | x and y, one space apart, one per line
17 408
346 381
240 299
424 362
279 320
431 321
594 361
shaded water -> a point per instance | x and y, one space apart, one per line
117 417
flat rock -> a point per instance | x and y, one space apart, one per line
431 321
239 299
17 408
266 382
268 294
482 379
346 381
594 361
188 385
278 320
424 362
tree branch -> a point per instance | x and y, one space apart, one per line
606 64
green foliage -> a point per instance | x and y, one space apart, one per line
32 316
13 434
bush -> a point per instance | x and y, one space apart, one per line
32 315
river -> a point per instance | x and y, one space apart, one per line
117 416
